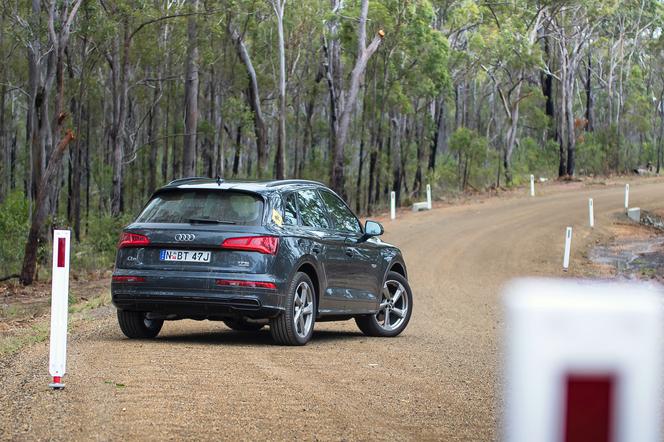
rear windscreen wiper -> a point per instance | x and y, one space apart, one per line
209 221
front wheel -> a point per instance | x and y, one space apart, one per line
136 325
295 325
396 306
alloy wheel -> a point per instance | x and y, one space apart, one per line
393 308
303 309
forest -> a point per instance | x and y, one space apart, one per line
103 101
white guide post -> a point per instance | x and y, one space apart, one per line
626 197
59 307
393 205
583 361
591 213
429 196
532 185
568 246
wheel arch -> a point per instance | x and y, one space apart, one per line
309 268
397 266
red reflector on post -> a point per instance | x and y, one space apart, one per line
133 240
62 249
261 244
251 284
124 278
589 408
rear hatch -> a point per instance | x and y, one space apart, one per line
197 230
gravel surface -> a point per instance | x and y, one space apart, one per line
440 380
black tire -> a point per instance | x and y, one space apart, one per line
135 325
370 324
283 328
240 324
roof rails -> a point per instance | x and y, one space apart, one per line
187 179
284 182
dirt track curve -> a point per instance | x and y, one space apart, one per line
439 381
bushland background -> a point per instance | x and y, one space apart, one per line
102 101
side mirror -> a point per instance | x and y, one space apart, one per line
373 228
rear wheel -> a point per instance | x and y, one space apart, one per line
394 312
136 325
241 324
295 325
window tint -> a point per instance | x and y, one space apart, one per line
182 206
312 212
341 215
290 211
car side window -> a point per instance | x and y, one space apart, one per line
344 220
290 210
312 211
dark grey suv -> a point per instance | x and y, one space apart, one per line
284 253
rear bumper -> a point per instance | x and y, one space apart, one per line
196 296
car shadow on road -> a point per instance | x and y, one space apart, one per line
260 338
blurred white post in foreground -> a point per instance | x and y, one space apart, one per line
626 197
59 307
532 185
583 361
393 205
591 213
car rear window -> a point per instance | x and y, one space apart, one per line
192 206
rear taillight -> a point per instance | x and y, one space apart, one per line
261 244
123 278
133 240
251 284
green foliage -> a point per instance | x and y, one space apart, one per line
14 226
477 57
96 251
533 158
472 151
593 155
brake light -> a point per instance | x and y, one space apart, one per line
261 244
123 278
251 284
133 240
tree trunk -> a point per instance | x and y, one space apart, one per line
511 142
76 162
218 138
280 157
238 150
569 121
253 100
166 130
153 125
120 90
395 147
41 210
191 98
417 181
349 99
439 133
590 98
360 163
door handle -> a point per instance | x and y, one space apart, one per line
349 251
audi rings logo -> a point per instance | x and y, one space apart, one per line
185 237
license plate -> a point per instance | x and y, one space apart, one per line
184 256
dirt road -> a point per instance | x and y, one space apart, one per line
439 380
